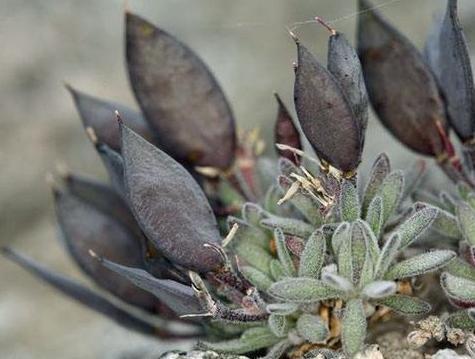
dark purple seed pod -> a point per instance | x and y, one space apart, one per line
169 205
285 131
82 294
401 86
84 227
179 96
179 297
344 64
448 55
99 115
325 115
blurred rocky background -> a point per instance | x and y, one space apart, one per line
46 43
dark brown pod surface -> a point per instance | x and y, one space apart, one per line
401 87
325 115
285 131
448 56
84 228
344 64
100 115
169 205
179 96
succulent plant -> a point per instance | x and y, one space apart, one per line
295 257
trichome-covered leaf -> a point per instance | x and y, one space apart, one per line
380 289
411 229
391 191
279 325
381 168
349 202
283 253
303 290
312 328
313 256
406 305
401 86
179 96
353 327
466 221
461 290
169 205
326 116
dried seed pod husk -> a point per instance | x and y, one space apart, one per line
85 227
99 115
401 86
448 55
285 131
326 116
179 96
169 205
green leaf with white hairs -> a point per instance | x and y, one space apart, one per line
458 288
303 202
460 268
359 251
379 171
349 203
283 253
278 324
278 350
411 229
282 308
253 213
247 233
461 320
257 278
303 290
252 254
367 272
391 191
388 253
338 282
374 215
353 329
405 305
276 269
341 235
445 224
251 340
420 264
313 255
379 289
289 226
344 259
371 241
312 328
466 220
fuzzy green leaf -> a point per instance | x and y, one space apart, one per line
349 203
283 253
303 290
458 288
253 214
379 171
257 278
338 282
248 233
341 235
278 350
466 220
461 320
405 305
344 260
312 328
359 251
289 226
380 289
353 327
251 340
445 224
276 269
278 324
252 254
371 241
374 216
313 256
391 191
420 264
458 267
387 255
411 229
